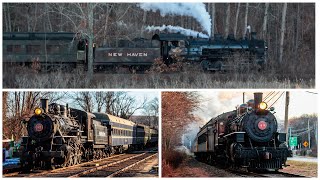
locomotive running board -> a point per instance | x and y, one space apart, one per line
238 136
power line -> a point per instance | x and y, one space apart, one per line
268 95
273 96
277 99
311 92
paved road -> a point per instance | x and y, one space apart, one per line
303 158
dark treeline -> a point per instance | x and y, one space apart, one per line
288 28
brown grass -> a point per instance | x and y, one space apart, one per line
309 169
172 165
22 77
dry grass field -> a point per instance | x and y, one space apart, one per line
22 77
308 169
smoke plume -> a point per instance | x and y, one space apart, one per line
175 29
195 10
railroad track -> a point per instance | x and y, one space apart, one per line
111 166
117 168
264 174
43 172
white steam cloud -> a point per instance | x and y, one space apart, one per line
176 29
195 10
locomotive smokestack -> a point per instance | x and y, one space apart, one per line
257 99
45 104
63 110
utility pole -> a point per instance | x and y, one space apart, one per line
286 113
309 133
243 97
315 126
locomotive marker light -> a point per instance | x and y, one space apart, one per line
38 127
262 125
37 111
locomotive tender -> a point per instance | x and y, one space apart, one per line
66 50
246 137
59 136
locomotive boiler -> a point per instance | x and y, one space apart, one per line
246 137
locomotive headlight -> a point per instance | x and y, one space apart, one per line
38 111
263 106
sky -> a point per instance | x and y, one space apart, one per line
217 102
138 95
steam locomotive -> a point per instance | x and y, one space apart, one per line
246 137
59 136
63 50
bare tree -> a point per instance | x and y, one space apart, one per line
84 100
236 21
246 20
265 20
227 25
90 8
283 28
213 16
177 108
144 19
152 110
100 99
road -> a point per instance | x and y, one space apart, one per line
304 159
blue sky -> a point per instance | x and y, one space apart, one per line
138 95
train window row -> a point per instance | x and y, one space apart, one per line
36 49
121 132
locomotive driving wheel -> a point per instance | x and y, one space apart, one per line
205 64
50 164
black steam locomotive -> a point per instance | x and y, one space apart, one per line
216 54
246 137
59 136
65 50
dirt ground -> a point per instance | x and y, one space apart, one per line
193 168
149 168
308 169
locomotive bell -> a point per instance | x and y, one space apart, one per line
257 99
45 104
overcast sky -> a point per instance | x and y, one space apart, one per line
217 102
